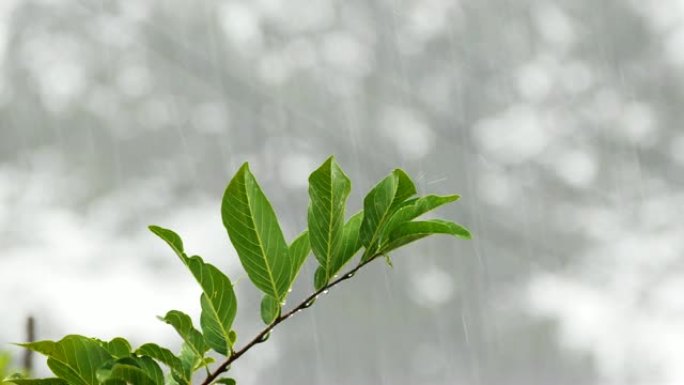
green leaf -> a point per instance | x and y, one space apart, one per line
351 243
118 347
412 231
218 303
44 347
379 205
130 374
74 358
183 325
256 235
413 208
270 309
190 360
40 381
329 189
218 300
151 369
226 381
166 357
299 249
320 278
170 237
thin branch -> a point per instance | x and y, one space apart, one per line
30 337
263 335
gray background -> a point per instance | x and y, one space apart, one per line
557 121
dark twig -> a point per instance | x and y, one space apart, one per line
30 337
263 335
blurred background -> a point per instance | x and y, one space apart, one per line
557 121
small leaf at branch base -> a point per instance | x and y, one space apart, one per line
320 278
270 309
226 381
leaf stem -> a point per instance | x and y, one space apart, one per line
262 336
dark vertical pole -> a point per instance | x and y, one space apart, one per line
30 337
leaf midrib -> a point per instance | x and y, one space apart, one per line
261 243
73 370
328 258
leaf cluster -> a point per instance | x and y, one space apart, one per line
389 220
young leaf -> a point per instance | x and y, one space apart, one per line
118 347
412 231
299 249
218 300
150 368
380 203
190 360
74 359
270 309
218 303
413 208
350 244
320 278
183 325
131 370
256 235
166 357
329 189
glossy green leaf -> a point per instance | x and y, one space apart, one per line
190 361
170 237
351 243
379 205
320 278
412 231
183 325
256 235
118 347
44 347
130 374
150 367
270 309
329 189
218 300
74 358
166 357
413 208
299 249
